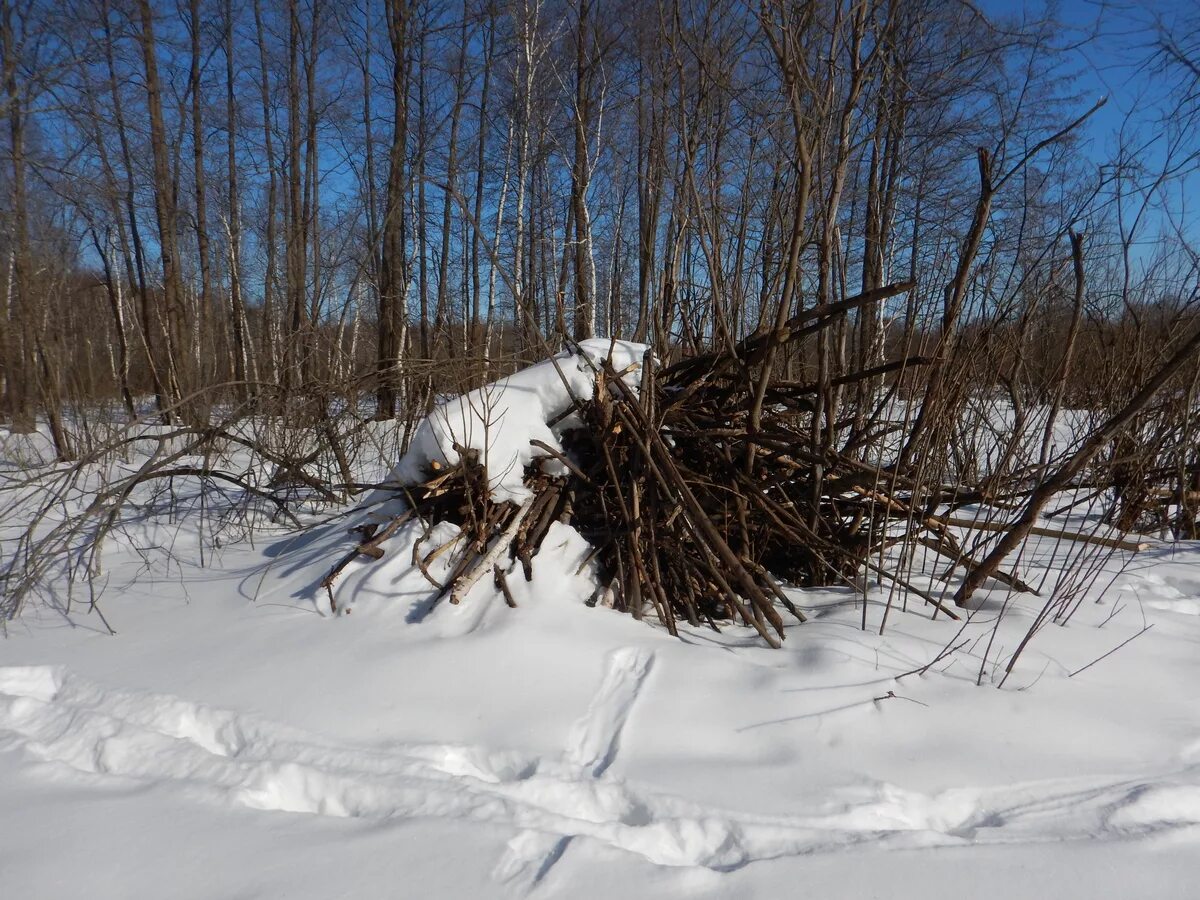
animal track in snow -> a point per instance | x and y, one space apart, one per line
591 748
116 736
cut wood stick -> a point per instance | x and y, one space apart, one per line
488 560
437 481
1045 531
369 548
988 525
960 558
912 589
438 551
1174 495
501 582
536 524
561 457
778 591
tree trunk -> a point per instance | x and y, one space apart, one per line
393 269
18 356
241 369
165 214
270 277
205 299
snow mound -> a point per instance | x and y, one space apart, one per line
500 420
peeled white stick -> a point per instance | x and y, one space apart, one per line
488 560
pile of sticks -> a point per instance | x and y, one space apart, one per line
696 489
700 489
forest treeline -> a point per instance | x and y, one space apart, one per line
287 204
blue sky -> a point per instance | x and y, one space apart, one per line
1115 42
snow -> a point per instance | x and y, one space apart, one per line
561 749
233 739
501 419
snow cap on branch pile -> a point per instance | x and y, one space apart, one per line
501 419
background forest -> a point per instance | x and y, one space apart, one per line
279 204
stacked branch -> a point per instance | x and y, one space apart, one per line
704 486
700 490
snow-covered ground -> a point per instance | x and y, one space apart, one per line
236 739
233 741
